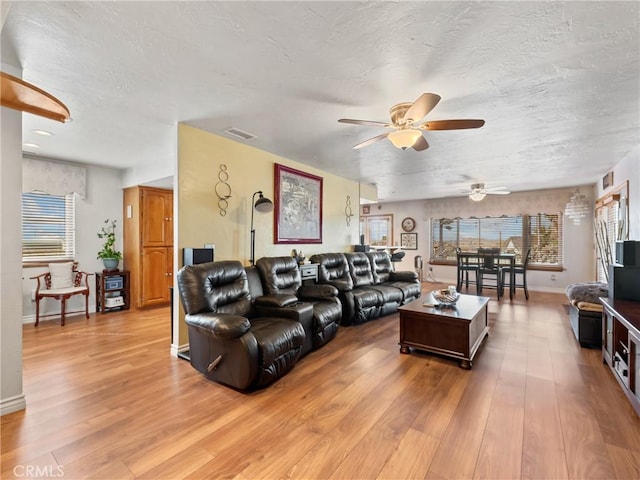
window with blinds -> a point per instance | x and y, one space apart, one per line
511 234
606 225
48 227
377 229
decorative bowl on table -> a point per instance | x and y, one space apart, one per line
445 298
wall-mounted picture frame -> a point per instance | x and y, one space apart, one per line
409 241
366 209
298 206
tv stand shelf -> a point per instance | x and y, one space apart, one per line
621 345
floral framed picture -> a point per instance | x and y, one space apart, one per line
409 241
298 206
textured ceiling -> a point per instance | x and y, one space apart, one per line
558 84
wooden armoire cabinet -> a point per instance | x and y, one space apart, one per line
148 244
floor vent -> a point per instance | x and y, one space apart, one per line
236 132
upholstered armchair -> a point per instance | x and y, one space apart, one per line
61 282
281 279
229 342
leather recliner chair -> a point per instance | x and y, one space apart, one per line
229 341
281 277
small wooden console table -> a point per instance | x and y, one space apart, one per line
455 332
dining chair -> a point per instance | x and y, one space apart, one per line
518 269
464 267
490 269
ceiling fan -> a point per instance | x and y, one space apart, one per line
478 191
404 118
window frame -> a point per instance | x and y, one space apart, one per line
526 234
366 226
61 209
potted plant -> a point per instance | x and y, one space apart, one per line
110 257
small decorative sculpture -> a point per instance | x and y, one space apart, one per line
299 256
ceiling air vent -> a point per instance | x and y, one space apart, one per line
236 132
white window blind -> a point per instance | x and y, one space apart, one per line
512 234
48 227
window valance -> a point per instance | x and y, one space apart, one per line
53 178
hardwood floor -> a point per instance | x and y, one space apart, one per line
106 400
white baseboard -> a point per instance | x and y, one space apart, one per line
12 404
176 349
32 318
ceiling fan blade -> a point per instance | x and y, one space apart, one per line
497 192
370 123
451 124
423 105
421 144
371 140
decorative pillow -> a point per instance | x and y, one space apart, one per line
61 275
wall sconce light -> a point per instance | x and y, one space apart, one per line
263 205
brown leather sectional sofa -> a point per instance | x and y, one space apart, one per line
249 326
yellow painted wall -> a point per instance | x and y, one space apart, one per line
200 156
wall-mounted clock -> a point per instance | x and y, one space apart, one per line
408 224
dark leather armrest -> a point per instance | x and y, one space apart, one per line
221 325
341 285
404 276
276 300
318 291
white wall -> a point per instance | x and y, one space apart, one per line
579 248
104 201
11 394
628 169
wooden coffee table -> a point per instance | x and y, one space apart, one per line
455 332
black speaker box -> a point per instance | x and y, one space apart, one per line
628 253
624 282
193 256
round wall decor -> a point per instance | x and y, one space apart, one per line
408 224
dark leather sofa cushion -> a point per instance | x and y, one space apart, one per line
212 286
359 269
389 293
279 274
367 304
410 290
333 269
280 343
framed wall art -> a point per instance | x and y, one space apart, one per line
298 206
409 241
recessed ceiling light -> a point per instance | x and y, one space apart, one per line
32 145
43 132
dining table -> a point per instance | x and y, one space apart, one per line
500 259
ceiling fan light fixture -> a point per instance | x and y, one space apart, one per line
477 196
404 138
